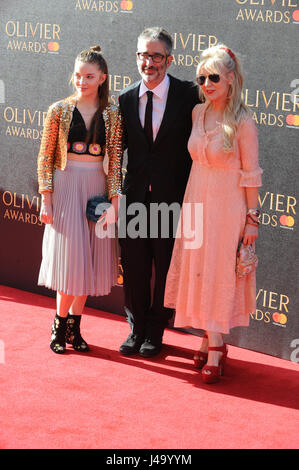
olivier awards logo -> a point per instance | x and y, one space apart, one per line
23 123
116 84
268 11
272 307
105 6
21 208
277 210
24 36
187 47
274 108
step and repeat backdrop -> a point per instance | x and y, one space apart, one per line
39 41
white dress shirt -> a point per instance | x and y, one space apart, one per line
159 103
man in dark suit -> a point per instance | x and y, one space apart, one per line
157 127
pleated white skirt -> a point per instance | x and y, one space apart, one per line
74 260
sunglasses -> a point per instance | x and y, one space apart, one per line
214 77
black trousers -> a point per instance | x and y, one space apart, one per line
145 261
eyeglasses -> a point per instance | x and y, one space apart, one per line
214 77
156 58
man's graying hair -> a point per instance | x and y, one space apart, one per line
156 33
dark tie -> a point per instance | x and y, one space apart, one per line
148 121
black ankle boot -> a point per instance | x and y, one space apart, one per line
73 335
58 334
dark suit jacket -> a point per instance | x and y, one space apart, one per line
167 164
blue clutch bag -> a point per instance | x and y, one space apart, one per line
96 205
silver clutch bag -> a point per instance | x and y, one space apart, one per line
247 260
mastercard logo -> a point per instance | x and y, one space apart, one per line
292 119
53 46
287 220
296 15
126 5
279 318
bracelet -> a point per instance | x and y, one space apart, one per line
254 225
255 212
253 220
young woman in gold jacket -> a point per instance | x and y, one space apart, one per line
78 132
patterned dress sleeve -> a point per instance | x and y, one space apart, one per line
248 145
114 145
46 156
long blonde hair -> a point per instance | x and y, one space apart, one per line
220 59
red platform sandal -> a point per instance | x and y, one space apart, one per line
200 358
211 374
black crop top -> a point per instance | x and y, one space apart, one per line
77 137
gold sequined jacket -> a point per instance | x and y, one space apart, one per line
53 149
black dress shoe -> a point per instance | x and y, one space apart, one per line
131 345
150 348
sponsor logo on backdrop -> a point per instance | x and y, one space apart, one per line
21 208
34 37
267 11
277 210
272 307
105 6
273 108
23 123
126 6
187 47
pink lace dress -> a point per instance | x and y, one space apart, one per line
201 283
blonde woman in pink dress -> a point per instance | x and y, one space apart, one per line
202 284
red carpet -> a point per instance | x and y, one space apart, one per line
105 401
